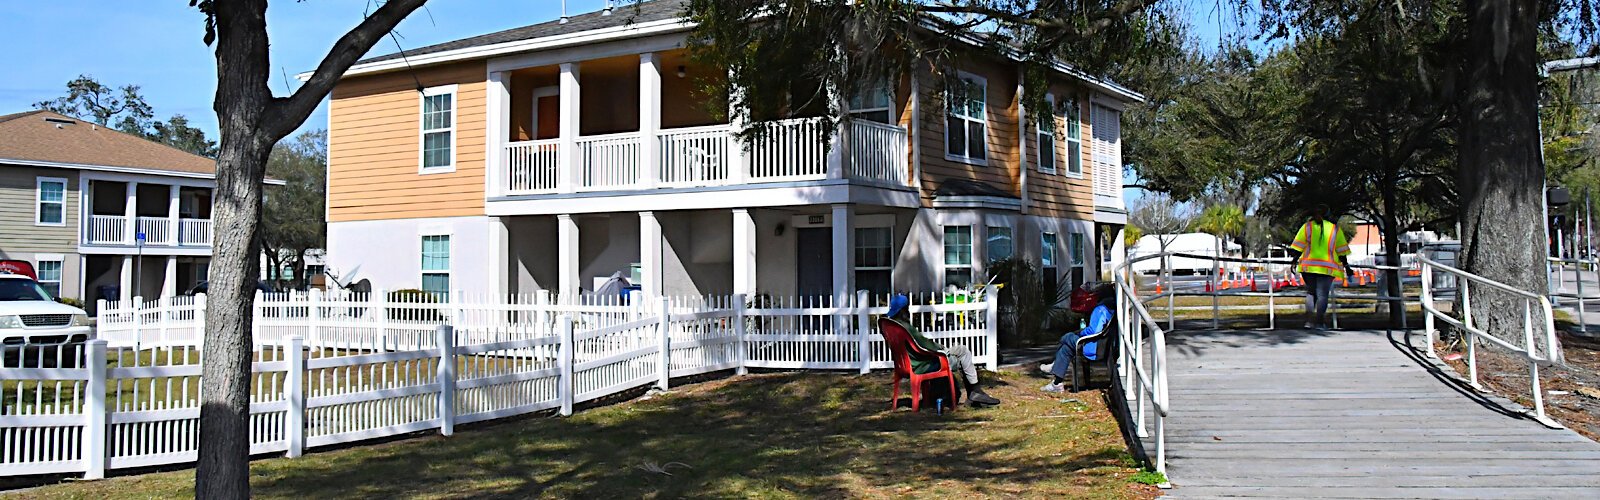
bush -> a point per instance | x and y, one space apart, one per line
70 301
1029 310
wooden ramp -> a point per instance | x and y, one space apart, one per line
1351 414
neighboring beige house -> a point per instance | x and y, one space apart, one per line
551 156
75 197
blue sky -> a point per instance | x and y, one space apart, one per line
157 45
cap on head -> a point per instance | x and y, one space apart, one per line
897 304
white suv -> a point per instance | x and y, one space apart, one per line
29 317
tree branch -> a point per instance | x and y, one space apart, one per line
287 113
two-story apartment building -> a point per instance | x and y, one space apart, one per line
556 155
75 198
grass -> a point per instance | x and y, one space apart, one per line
781 435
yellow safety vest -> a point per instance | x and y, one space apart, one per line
1320 246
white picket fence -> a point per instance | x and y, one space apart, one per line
339 368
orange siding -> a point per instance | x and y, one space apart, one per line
374 141
1060 194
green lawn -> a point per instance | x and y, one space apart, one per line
782 435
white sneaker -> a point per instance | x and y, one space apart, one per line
1047 367
1310 326
1053 387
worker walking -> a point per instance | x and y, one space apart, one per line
1321 261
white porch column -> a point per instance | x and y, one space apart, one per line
650 248
744 252
126 284
567 256
844 236
649 119
172 215
169 282
571 161
1024 130
497 131
914 138
499 257
130 211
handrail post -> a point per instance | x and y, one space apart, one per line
1216 306
294 421
1582 327
1165 276
1429 335
1272 297
1533 360
94 411
1471 336
1139 397
863 329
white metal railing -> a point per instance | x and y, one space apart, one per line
1581 270
696 156
533 167
441 361
609 161
1142 362
790 150
194 232
878 152
156 230
107 230
1535 309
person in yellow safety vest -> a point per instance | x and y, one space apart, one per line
1322 260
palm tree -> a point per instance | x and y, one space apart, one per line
1221 221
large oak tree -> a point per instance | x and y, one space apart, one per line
251 120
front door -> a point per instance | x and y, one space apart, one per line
815 256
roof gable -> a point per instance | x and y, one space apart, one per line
49 137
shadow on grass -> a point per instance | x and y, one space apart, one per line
779 434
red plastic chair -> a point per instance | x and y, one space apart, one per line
901 348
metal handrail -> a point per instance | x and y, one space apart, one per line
1141 381
1466 282
1559 265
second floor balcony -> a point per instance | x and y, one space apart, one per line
158 231
123 214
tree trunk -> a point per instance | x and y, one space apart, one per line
1501 174
1390 226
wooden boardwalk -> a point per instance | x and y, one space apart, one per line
1351 414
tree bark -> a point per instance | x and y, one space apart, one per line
250 120
1501 173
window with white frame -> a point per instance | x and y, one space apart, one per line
1045 129
997 244
49 271
874 259
958 256
966 128
1075 250
872 102
1047 261
1074 138
51 198
436 264
438 129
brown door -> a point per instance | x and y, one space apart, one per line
549 126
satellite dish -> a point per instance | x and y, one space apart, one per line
363 286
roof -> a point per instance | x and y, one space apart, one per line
656 10
53 139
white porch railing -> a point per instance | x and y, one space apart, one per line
695 156
878 152
790 150
156 230
787 150
441 362
106 230
533 167
610 161
194 232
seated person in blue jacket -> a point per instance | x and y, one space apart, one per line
1099 319
960 357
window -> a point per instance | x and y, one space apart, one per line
998 246
1075 252
872 102
1045 128
49 271
958 256
966 120
1047 261
52 202
438 129
436 265
1074 138
874 259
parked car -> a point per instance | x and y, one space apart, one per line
36 328
202 286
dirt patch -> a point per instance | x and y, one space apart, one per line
1572 393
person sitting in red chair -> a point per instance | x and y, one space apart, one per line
960 357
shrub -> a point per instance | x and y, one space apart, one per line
70 301
1030 311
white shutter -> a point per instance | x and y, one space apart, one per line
1107 146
